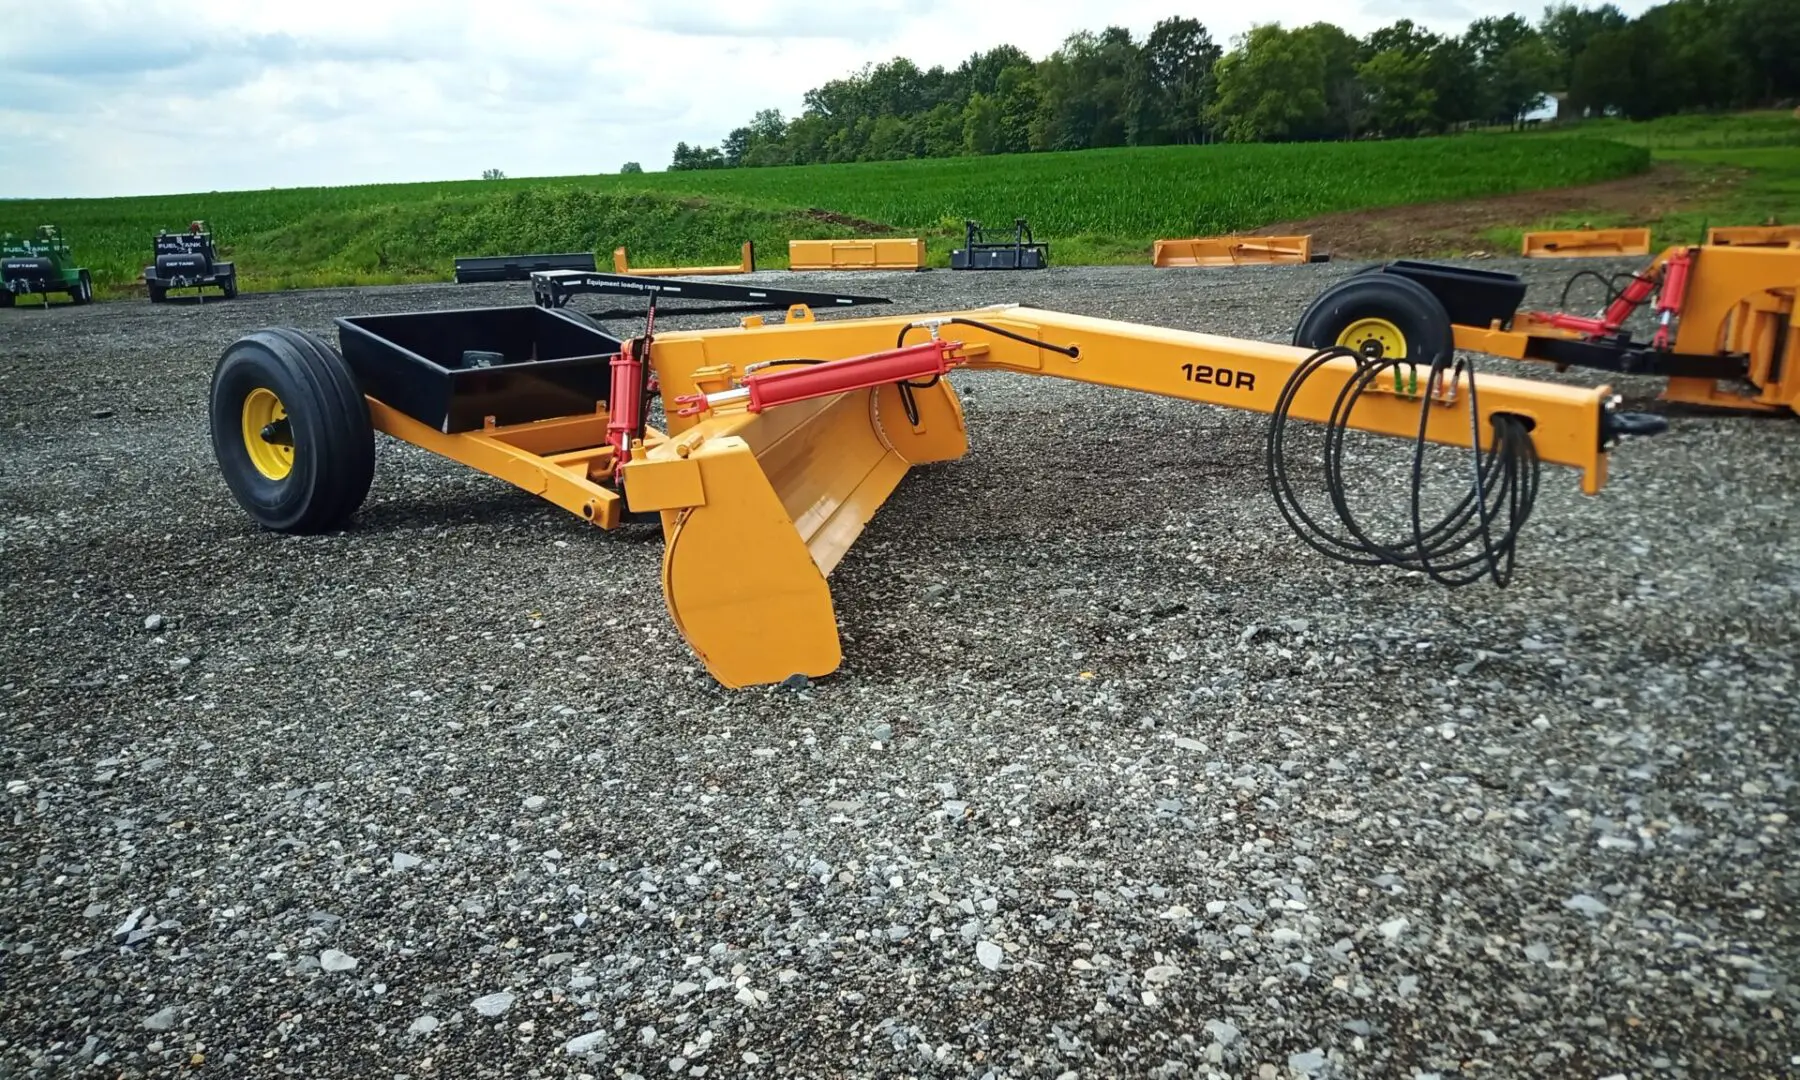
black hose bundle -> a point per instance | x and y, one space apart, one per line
1475 538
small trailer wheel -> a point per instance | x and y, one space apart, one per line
83 293
158 294
1381 316
6 298
228 285
291 431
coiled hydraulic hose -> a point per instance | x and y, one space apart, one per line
1476 538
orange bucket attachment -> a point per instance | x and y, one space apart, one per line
884 254
1232 251
1775 236
745 266
1585 243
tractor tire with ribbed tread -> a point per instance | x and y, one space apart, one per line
1383 316
284 384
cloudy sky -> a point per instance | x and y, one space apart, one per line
115 97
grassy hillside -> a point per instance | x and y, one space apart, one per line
1094 206
1748 164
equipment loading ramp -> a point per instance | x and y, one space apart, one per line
555 288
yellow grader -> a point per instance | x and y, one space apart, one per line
783 439
1723 315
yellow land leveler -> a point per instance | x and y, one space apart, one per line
782 440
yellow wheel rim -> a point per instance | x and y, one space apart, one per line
1374 337
267 437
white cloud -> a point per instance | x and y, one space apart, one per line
113 97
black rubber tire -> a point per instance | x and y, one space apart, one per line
228 285
334 442
1419 316
6 298
83 293
158 294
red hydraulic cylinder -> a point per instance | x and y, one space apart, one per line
1615 315
790 384
625 404
1674 291
1581 324
1634 295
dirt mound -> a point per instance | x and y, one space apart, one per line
861 225
1456 228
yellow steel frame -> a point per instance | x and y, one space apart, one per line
757 508
563 460
1740 300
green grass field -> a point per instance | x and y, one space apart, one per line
1094 206
1098 206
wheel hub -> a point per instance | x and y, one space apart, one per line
268 437
1377 339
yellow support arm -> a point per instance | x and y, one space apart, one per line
1218 370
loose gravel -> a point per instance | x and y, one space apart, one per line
1118 777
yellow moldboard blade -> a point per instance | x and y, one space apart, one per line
1584 243
1231 250
782 496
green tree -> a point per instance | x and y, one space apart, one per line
1766 34
1172 83
1399 72
630 167
1403 35
1607 75
736 147
1084 87
695 157
1344 106
1515 64
1400 102
1271 85
981 125
1453 76
1569 30
1698 66
1020 100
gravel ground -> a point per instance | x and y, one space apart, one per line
1118 778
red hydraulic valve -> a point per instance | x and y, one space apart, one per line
784 385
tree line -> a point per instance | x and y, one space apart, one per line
1275 84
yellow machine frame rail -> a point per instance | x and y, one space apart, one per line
1776 236
1585 243
746 266
1231 251
890 253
